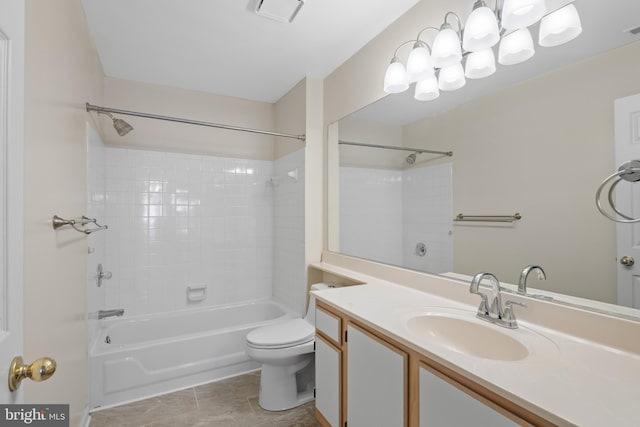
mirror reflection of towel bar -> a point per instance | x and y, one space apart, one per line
77 223
488 218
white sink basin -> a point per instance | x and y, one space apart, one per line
461 331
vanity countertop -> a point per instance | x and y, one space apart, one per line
566 379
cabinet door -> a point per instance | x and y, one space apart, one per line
376 381
444 405
328 378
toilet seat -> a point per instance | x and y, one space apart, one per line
281 335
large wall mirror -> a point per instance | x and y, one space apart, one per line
536 139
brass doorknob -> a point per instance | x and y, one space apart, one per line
40 370
627 261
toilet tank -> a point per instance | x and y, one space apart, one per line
311 311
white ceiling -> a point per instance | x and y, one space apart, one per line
223 47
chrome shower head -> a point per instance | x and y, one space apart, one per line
121 126
411 158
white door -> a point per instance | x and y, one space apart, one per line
12 27
627 126
376 381
328 397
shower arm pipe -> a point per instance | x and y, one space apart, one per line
392 147
107 110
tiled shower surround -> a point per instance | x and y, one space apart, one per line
178 221
404 207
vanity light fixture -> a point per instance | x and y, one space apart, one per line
451 77
560 27
419 64
427 89
518 14
516 47
395 79
447 49
440 67
480 64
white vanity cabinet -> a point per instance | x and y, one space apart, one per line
364 378
443 403
376 381
328 361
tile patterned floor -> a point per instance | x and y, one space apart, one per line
232 402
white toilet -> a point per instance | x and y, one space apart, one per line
286 353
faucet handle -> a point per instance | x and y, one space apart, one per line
509 303
484 305
508 310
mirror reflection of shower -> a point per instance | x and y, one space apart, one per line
411 158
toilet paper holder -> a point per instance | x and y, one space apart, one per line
196 293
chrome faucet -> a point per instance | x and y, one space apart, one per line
493 312
110 313
522 284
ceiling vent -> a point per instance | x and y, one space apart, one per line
279 10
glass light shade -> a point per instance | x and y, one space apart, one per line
560 27
522 13
419 65
451 77
480 64
481 30
427 89
395 79
516 47
446 48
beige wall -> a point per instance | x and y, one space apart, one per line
193 105
62 73
290 118
315 179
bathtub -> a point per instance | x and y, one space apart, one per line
139 357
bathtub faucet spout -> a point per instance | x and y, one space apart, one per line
110 313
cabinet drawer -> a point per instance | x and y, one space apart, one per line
329 325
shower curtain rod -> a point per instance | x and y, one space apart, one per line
391 147
99 109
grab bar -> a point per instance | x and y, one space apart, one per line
77 223
629 171
488 218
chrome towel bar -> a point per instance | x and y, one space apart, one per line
629 171
77 223
488 218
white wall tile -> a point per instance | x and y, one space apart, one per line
177 220
181 220
371 214
289 273
98 199
385 213
428 215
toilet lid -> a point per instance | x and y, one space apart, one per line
284 334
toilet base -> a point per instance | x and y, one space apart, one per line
285 387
